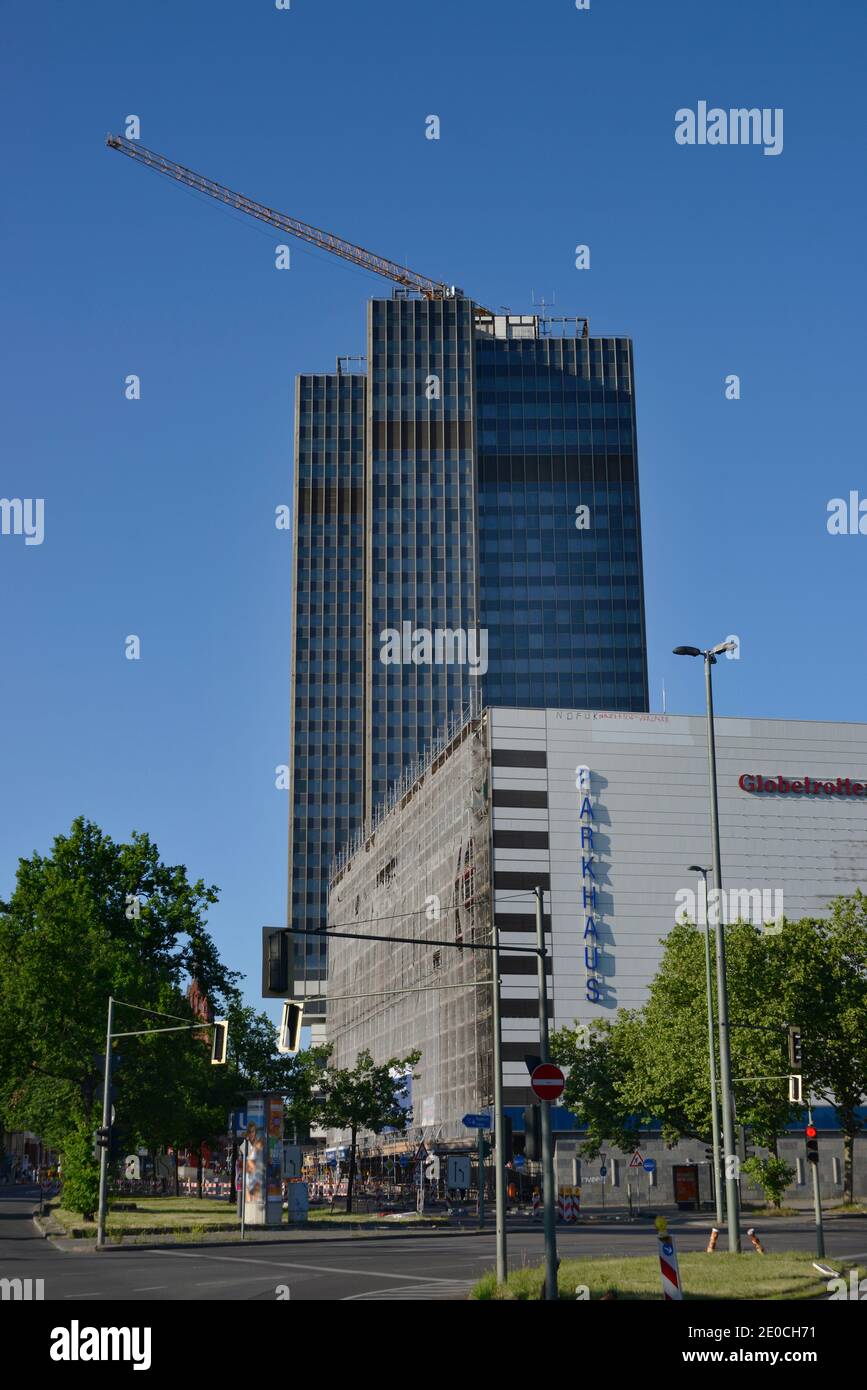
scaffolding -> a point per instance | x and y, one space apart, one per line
422 869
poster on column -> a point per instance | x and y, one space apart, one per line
275 1160
254 1162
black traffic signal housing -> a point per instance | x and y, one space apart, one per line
795 1048
533 1133
220 1042
277 971
508 1146
290 1027
708 1154
811 1136
484 1147
103 1137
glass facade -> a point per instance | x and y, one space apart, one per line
560 590
437 556
327 683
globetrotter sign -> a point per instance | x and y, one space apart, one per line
587 887
803 786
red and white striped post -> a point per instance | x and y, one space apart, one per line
668 1267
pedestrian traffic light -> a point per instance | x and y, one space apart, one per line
103 1137
533 1133
708 1154
277 981
290 1027
811 1135
220 1042
794 1047
484 1148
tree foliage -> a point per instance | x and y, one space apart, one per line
369 1095
652 1064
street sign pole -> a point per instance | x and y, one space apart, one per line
106 1124
499 1116
817 1200
481 1179
243 1151
548 1195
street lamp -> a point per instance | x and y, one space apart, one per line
725 1060
714 1112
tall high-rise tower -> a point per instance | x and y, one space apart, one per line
466 524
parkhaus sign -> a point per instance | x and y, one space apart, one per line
803 786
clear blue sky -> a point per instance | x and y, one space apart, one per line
557 128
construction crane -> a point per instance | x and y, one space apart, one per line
326 241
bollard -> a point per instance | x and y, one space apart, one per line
714 1237
757 1244
537 1204
668 1266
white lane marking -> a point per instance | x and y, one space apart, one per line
422 1291
293 1264
146 1288
83 1295
207 1283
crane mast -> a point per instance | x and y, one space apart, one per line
326 241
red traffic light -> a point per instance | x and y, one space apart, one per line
811 1131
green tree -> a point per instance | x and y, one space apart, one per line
599 1081
772 1175
90 919
80 1171
825 994
653 1063
366 1096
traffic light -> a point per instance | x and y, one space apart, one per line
795 1047
508 1147
290 1027
811 1135
103 1137
484 1148
220 1043
277 973
533 1133
708 1155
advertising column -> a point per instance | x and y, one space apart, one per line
263 1163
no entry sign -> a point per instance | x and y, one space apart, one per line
547 1081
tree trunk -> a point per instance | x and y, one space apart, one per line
177 1174
848 1166
351 1179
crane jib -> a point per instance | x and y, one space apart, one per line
327 241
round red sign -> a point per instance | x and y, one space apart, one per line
547 1081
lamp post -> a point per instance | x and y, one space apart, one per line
725 1060
714 1111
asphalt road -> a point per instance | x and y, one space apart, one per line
428 1267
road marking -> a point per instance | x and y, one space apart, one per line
421 1291
82 1295
146 1288
208 1283
293 1264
